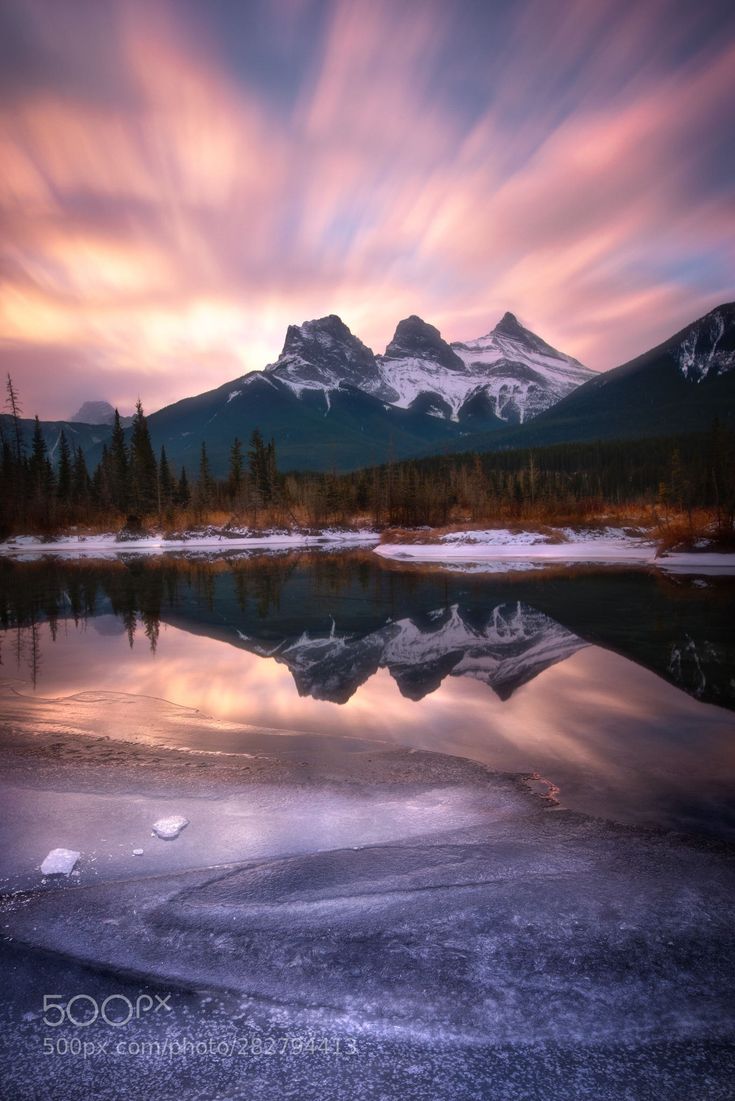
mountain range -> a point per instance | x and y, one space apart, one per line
331 403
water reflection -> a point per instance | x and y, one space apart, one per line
570 675
335 619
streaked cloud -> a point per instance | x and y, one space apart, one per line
180 182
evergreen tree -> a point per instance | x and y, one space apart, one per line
183 493
80 482
64 474
204 497
143 473
235 477
166 486
263 470
118 467
40 477
13 406
13 456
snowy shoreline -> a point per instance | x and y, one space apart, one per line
159 544
607 546
488 550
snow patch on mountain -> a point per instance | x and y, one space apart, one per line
703 351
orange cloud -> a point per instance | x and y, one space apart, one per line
170 229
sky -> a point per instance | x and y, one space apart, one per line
180 181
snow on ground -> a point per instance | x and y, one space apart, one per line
26 547
604 545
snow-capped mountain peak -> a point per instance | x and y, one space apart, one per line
510 374
323 355
518 373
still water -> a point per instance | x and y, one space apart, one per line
616 686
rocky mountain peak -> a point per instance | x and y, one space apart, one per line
509 325
323 354
415 338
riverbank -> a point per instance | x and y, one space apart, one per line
487 550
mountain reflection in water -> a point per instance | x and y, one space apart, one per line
534 671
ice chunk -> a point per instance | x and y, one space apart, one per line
60 862
169 828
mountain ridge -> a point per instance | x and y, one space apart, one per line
331 403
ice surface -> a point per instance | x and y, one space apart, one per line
60 862
474 941
169 828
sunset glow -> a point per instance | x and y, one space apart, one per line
181 181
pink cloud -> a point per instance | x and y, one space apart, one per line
171 230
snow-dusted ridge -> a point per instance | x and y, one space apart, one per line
510 373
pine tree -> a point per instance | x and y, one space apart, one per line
183 493
235 477
13 406
80 483
165 483
263 469
204 497
118 467
143 478
64 474
40 477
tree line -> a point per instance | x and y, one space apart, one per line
45 492
133 486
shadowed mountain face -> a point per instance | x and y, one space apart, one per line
335 619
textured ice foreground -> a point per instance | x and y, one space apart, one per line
474 941
60 862
469 913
